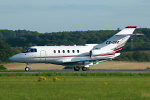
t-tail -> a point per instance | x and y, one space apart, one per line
117 42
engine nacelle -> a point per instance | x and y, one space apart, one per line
100 52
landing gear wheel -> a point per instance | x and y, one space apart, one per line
84 68
27 69
76 68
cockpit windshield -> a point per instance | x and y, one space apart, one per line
29 50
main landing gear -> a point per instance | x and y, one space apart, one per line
27 67
77 68
84 68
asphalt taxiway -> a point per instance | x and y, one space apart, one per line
72 71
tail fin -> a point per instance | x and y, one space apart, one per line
117 41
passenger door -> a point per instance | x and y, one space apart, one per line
43 56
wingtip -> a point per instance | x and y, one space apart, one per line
131 26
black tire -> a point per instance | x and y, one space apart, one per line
84 68
76 68
27 69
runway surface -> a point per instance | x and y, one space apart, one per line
72 71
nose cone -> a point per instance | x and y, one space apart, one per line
11 58
19 58
14 58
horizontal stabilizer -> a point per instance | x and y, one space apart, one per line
129 34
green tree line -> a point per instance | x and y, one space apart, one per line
22 38
5 52
12 42
134 56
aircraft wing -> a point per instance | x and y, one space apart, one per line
87 61
84 62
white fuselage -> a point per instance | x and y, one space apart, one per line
61 54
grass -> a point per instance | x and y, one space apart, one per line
86 74
102 65
79 86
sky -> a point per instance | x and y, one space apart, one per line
73 15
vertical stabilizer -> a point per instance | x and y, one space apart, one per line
117 41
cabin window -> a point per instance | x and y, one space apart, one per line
26 50
77 51
63 51
73 51
68 51
54 51
58 51
33 50
30 50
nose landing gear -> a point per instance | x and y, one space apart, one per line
27 67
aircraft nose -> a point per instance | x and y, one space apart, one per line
10 58
13 58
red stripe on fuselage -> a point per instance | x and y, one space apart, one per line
118 48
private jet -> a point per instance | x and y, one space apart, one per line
76 56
